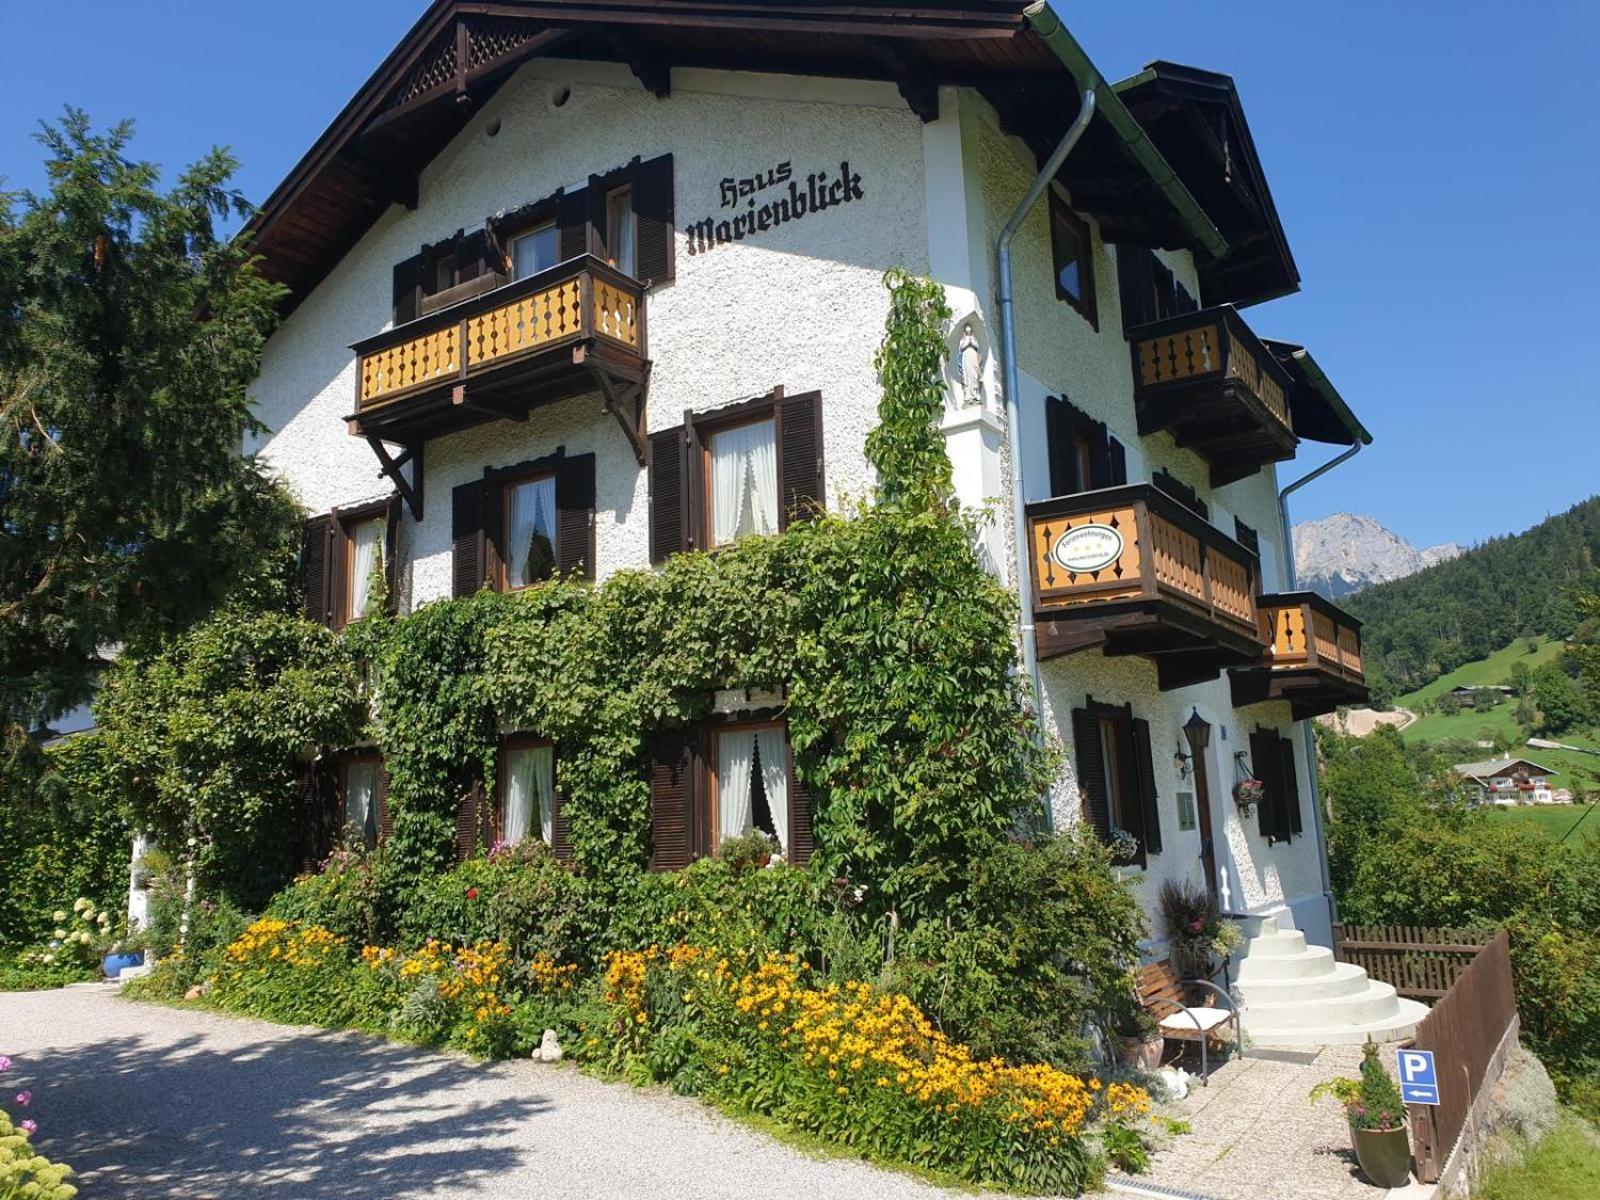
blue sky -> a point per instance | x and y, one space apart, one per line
1435 166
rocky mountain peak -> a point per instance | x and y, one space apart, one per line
1346 552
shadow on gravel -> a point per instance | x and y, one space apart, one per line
314 1117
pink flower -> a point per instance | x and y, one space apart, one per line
5 1063
1197 925
28 1127
24 1099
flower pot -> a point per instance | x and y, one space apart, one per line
114 964
1140 1054
1384 1155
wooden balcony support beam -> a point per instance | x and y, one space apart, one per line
394 468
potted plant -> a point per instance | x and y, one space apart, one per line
1137 1037
1199 937
1377 1119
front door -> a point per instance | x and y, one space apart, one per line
1208 844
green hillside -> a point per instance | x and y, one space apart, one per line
1496 668
1420 627
1555 820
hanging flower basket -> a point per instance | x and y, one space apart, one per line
1249 792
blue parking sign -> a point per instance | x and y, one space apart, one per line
1419 1081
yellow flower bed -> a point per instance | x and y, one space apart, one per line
863 1048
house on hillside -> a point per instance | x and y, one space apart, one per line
577 288
1507 781
1468 693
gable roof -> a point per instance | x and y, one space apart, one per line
1195 118
1499 766
1316 408
459 53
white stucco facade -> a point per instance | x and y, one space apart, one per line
800 306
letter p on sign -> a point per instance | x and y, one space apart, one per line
1419 1080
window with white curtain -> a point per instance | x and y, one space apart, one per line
743 470
622 231
361 776
535 251
366 556
530 532
528 790
752 782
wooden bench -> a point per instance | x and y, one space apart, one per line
1161 992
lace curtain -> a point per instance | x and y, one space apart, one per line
361 800
365 539
530 533
738 754
744 481
530 793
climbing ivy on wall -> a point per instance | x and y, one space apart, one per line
907 446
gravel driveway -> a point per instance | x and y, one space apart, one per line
147 1102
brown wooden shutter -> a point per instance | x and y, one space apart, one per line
385 809
572 218
652 208
407 288
1134 282
316 569
1246 536
1091 762
468 818
1117 460
391 553
1145 771
800 476
560 826
1291 789
575 516
669 510
466 534
1059 426
1266 760
802 817
673 795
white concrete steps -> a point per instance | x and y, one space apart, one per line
1294 994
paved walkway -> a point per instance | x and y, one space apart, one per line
1255 1136
147 1102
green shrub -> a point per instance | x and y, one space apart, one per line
352 896
1047 945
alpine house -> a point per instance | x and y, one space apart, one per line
578 285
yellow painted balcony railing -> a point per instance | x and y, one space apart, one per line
1303 631
578 301
1135 544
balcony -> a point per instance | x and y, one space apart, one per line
1206 379
1131 570
1312 660
577 327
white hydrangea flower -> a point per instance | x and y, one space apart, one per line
59 916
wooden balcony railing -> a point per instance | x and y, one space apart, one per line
1206 378
1134 569
573 302
1303 631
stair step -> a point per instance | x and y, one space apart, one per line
1276 945
1312 960
1345 979
1374 1002
1398 1027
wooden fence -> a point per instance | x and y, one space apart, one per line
1467 1031
1421 963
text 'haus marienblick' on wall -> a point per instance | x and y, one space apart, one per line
589 301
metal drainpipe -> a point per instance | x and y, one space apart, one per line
1008 349
1306 734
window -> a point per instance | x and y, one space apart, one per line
364 557
530 532
1116 776
363 794
742 480
622 236
1073 252
1185 495
527 792
1150 291
1083 456
537 250
1116 746
750 783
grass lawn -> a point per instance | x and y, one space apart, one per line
1555 820
1565 1166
